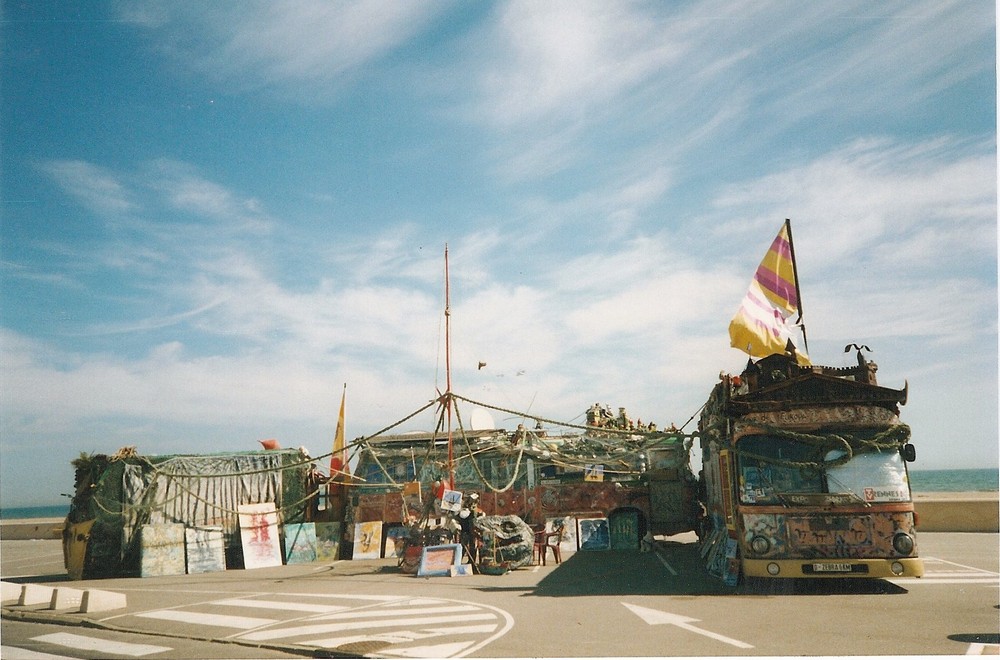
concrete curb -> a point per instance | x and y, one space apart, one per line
958 515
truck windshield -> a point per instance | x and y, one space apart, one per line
776 470
878 476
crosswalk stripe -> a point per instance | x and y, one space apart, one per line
279 605
370 597
401 636
263 635
366 614
206 619
103 646
17 653
933 580
439 651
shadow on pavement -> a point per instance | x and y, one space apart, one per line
676 569
37 579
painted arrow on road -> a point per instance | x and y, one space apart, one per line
656 617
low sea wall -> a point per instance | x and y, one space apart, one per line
936 512
957 512
29 529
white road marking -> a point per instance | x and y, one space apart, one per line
401 636
995 581
367 614
103 646
657 617
17 653
462 627
959 574
316 629
206 619
439 651
279 605
382 599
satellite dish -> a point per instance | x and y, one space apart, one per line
481 420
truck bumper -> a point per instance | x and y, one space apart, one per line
834 568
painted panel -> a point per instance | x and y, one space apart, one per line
624 529
594 534
395 540
161 550
367 540
328 536
439 559
300 543
259 535
206 549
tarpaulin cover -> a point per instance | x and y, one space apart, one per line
197 491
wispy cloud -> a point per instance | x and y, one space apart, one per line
93 186
850 198
184 189
310 51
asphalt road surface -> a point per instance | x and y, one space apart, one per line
593 604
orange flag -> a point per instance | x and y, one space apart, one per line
339 467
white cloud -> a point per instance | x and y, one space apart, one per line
850 200
566 58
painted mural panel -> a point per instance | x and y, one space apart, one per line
566 525
259 535
395 540
161 550
623 527
594 534
368 540
328 537
206 550
300 543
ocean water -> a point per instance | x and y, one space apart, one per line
54 511
950 481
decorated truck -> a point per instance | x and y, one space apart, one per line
600 486
805 474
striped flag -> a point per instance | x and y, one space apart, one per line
761 325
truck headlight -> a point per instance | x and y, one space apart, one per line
760 545
903 543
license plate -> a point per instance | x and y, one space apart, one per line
832 568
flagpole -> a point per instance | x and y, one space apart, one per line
447 365
798 292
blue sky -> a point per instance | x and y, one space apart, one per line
216 214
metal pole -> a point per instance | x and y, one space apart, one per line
798 292
447 366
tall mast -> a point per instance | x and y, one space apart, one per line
798 291
447 365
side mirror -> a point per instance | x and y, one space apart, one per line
909 453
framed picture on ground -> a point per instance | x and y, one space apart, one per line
594 534
368 540
328 541
259 535
300 543
439 559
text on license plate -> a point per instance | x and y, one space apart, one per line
832 568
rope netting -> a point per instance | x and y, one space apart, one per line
890 438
